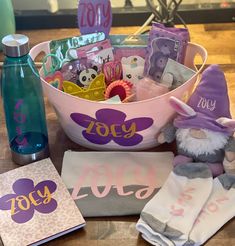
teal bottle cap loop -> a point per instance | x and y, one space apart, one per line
15 45
51 69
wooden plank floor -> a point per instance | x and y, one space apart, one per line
219 40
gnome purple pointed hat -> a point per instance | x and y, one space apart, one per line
210 101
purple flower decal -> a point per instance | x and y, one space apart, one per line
110 125
27 198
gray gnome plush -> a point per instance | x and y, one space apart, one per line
203 128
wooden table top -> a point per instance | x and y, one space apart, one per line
218 39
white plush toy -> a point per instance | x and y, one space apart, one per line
133 68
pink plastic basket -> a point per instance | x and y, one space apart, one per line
127 126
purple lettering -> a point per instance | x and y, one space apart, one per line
22 142
107 15
18 130
90 15
19 118
18 104
83 12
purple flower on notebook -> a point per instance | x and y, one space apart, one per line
27 198
111 124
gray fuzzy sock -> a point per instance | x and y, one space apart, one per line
152 236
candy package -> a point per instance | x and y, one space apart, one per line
97 54
64 48
126 46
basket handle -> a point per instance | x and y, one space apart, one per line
37 49
191 52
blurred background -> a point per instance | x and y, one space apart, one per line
34 14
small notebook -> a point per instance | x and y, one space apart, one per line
114 183
35 206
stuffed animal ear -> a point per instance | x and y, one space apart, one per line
229 123
95 68
181 107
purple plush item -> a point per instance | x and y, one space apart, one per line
183 32
210 101
164 43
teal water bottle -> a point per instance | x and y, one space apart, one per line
23 102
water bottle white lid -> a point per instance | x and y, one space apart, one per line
15 45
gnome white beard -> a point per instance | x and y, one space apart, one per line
197 146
